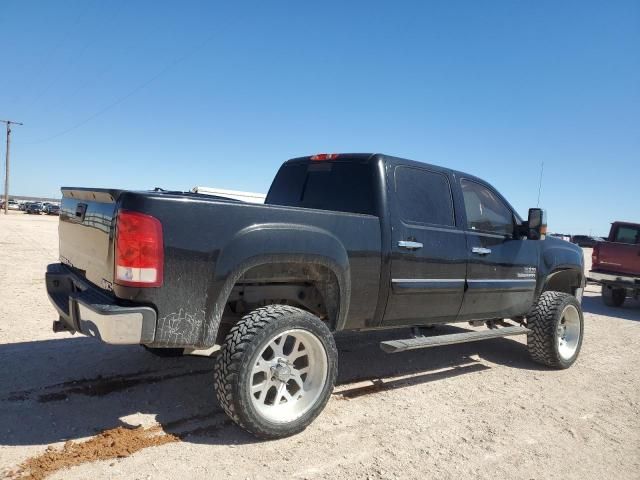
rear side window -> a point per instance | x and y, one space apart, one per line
336 186
485 211
627 234
423 196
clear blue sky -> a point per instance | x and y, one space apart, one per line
176 94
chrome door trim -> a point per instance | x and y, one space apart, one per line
532 280
427 285
418 280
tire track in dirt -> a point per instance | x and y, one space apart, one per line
98 386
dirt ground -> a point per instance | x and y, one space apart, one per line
480 410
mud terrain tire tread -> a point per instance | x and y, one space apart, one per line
235 356
542 322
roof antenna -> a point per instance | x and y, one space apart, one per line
540 182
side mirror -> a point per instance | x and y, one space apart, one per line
537 224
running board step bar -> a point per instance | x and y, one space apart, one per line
395 346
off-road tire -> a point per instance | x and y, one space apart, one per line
613 297
238 354
542 321
165 352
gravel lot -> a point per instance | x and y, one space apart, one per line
473 410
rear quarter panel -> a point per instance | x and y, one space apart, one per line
209 243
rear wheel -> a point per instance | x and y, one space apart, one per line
613 297
276 371
556 329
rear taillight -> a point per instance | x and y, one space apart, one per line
139 250
595 255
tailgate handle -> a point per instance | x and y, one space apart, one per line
81 209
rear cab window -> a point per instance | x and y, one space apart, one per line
627 234
341 186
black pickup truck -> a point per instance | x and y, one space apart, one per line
343 242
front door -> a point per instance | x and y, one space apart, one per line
428 261
501 273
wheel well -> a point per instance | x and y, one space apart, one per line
312 287
567 281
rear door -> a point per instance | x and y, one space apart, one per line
428 252
502 270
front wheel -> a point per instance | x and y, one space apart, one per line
276 371
556 327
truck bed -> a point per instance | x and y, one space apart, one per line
205 240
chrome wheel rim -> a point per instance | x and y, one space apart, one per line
288 376
568 332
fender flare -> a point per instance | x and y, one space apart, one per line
557 260
263 244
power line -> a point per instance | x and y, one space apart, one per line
121 99
93 78
54 49
76 57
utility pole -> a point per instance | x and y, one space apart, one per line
6 166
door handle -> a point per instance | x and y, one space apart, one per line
481 250
409 245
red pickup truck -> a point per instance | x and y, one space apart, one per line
616 263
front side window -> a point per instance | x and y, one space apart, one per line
485 211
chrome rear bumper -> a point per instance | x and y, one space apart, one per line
84 308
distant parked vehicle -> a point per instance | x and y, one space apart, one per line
561 236
12 205
586 240
52 209
23 206
616 263
34 208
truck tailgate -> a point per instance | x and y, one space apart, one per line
86 232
